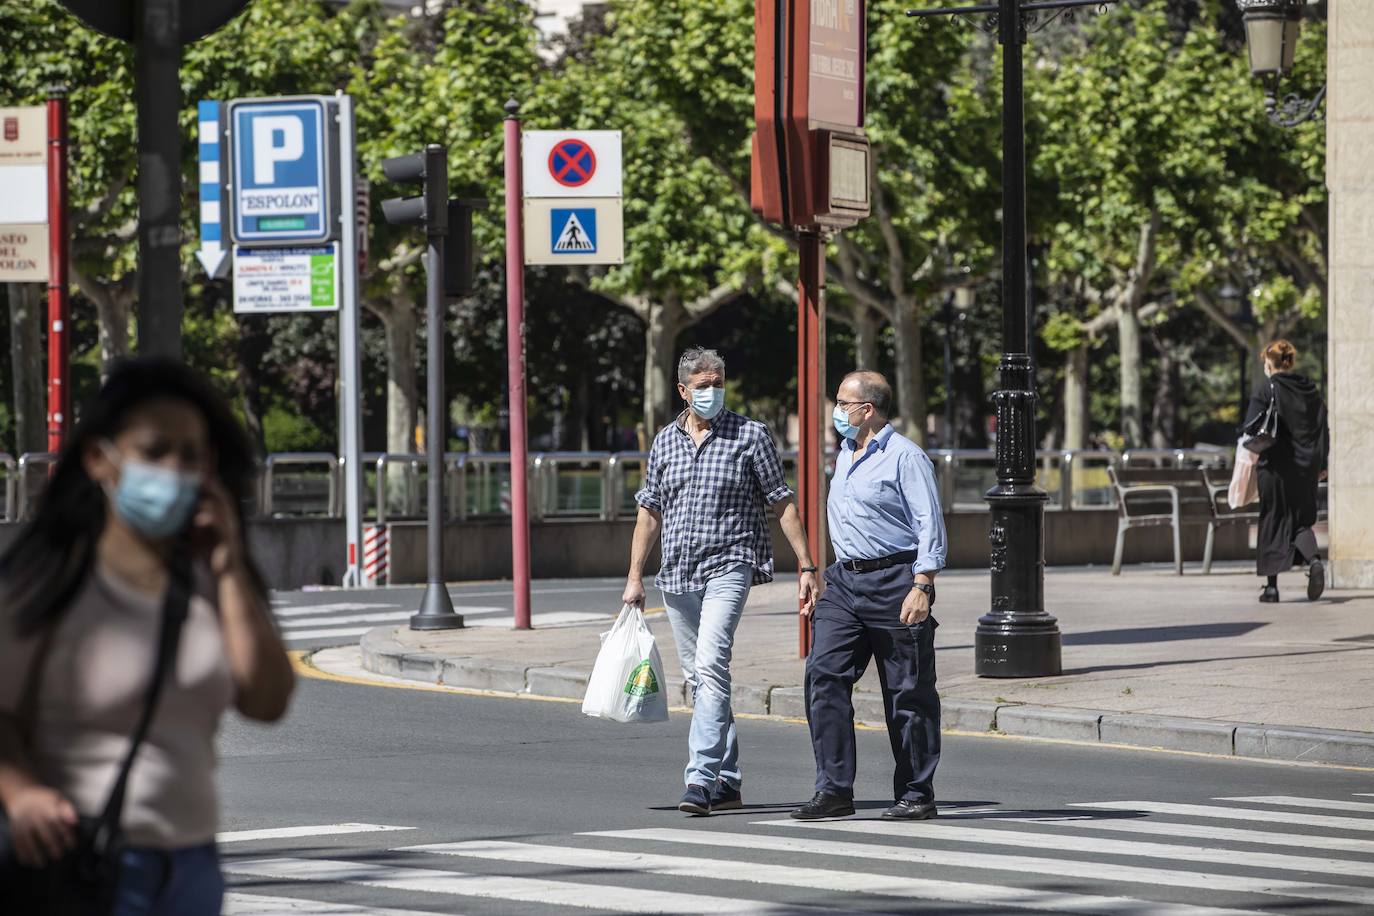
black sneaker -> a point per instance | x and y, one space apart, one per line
822 806
1270 595
906 810
725 797
695 801
1316 580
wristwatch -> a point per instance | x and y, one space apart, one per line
809 569
928 588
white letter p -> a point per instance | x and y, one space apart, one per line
267 152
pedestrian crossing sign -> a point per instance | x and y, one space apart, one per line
573 230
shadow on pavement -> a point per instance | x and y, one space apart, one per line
1162 634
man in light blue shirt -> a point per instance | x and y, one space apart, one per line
889 538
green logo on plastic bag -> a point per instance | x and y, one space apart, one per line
642 682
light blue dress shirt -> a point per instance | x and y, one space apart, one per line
885 501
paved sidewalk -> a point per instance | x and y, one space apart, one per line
1190 663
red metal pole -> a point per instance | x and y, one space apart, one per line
515 369
59 308
810 391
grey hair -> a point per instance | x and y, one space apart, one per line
698 359
873 388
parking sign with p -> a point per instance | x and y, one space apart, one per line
280 172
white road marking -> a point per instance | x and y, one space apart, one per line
827 879
1236 814
289 625
1202 832
282 833
1294 801
937 830
296 635
236 904
598 896
330 608
1031 865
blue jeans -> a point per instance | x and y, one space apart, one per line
704 629
170 882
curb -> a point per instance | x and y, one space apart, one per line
383 654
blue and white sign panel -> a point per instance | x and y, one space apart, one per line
281 171
573 230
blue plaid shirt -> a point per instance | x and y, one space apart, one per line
712 500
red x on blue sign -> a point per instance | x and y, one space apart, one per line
572 163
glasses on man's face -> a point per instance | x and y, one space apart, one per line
850 405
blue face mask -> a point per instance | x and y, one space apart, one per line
153 500
842 425
707 402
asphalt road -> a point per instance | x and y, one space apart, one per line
335 617
510 788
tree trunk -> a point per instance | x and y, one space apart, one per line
27 314
1128 335
910 408
660 340
112 311
402 401
1164 430
867 327
1076 398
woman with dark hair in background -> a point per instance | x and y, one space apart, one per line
1289 471
142 514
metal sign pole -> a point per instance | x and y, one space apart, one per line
350 360
59 308
515 361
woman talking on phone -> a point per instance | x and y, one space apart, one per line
131 618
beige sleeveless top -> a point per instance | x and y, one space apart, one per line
92 692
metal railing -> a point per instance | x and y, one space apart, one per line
302 486
599 485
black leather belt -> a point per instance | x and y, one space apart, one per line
906 556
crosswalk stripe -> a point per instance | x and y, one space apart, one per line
525 890
289 625
310 610
828 879
1294 801
281 833
1236 814
1202 832
294 635
937 830
1035 865
236 904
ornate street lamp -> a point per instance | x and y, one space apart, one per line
1271 35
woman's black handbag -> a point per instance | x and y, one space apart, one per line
1263 429
84 881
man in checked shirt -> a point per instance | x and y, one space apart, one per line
710 476
889 538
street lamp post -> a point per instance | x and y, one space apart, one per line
1017 637
1271 36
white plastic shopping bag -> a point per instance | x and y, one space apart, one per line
1244 488
627 683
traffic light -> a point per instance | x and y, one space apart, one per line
430 170
460 255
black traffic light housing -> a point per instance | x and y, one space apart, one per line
430 209
460 254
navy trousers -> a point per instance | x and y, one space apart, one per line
859 618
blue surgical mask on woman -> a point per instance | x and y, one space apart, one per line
842 425
153 500
707 402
